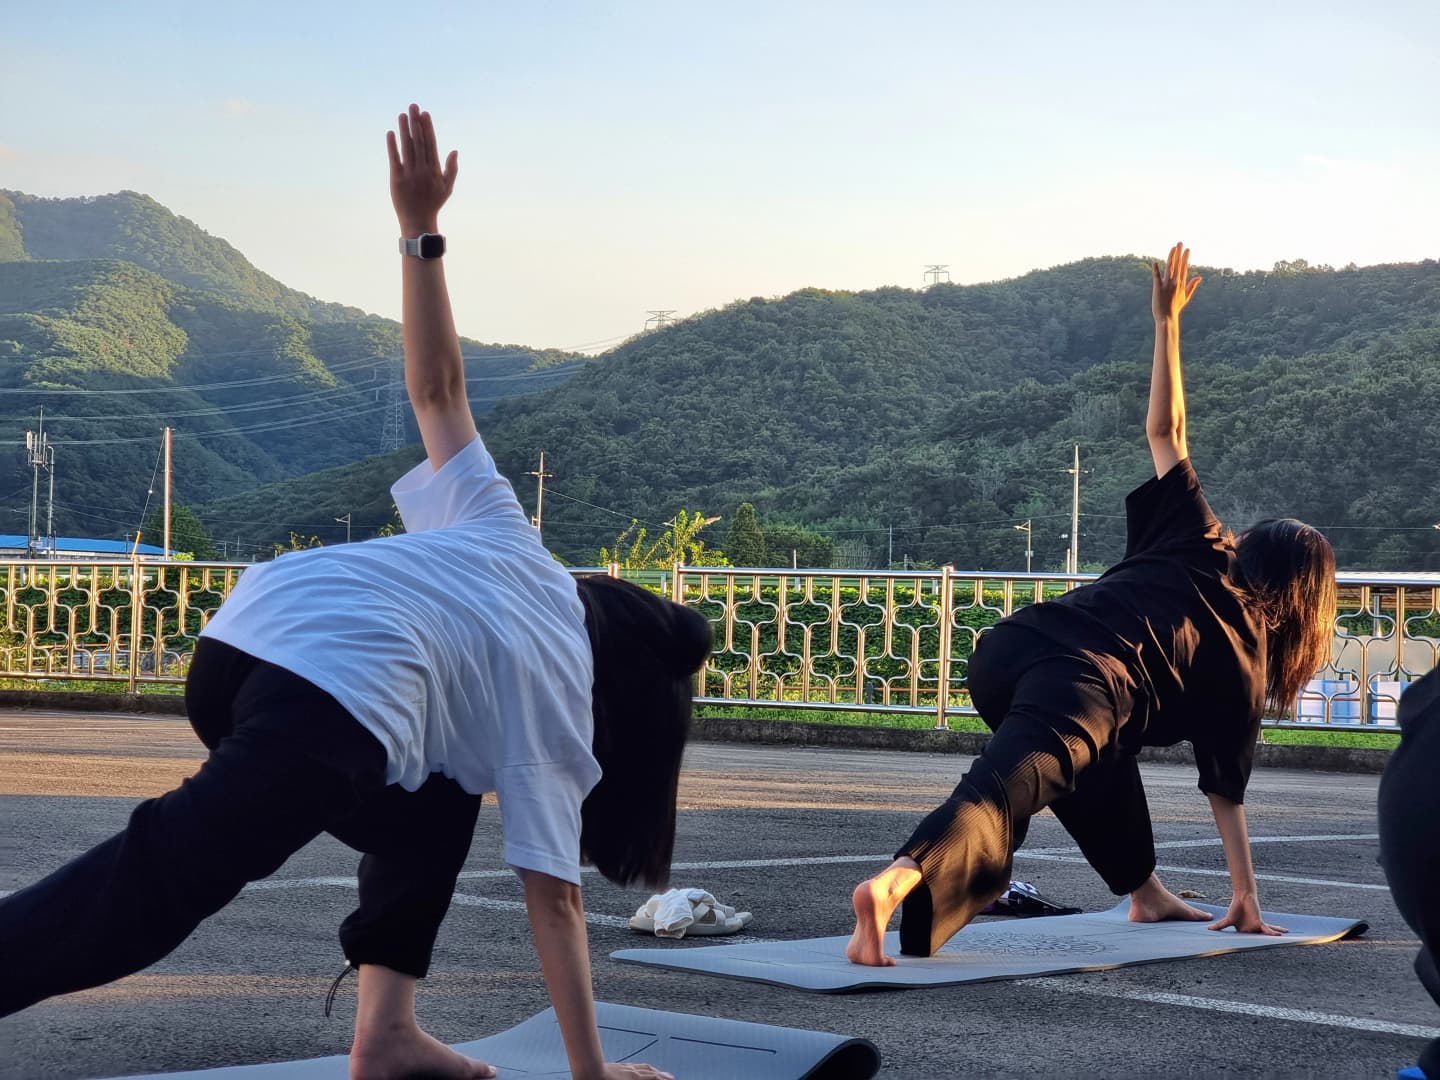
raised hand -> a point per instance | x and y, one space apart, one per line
419 185
1172 287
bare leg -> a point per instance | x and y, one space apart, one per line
1152 902
389 1043
875 901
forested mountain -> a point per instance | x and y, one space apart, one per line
118 318
923 424
950 414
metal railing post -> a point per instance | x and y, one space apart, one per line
137 599
947 604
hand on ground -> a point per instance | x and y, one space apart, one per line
616 1071
1244 916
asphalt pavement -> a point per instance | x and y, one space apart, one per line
249 985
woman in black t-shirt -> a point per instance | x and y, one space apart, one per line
1189 637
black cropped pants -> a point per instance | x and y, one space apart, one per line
1055 719
286 763
1409 808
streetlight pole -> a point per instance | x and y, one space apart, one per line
1025 528
346 520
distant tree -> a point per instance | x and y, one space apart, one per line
680 543
794 545
745 543
187 534
298 543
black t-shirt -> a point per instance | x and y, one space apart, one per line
1173 612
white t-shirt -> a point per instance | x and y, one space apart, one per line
460 644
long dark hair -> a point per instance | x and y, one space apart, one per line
646 651
1289 570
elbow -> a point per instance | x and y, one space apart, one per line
437 394
1170 430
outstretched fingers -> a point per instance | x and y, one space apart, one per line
406 140
424 136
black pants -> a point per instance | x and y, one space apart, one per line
286 763
1409 808
1056 719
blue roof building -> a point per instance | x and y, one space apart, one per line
17 546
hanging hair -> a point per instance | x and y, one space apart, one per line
1289 571
646 651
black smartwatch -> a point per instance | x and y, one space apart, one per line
425 246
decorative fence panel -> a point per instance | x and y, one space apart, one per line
882 642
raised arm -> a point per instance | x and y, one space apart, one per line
434 368
1170 291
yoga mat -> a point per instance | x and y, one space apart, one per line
987 951
690 1047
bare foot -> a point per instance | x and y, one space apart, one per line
1152 902
875 900
397 1053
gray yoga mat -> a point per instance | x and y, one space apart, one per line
690 1047
982 952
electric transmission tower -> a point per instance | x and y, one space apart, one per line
936 273
392 432
659 318
42 459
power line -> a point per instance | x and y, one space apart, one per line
149 494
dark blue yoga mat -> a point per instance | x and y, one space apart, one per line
690 1047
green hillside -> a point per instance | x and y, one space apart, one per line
949 414
118 318
137 229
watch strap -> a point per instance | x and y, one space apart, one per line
424 246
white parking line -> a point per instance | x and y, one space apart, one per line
1062 855
1214 841
594 919
1284 879
1242 1008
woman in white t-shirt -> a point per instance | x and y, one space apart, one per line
375 691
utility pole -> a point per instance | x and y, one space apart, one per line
1028 552
659 318
346 520
42 456
890 558
541 476
167 494
935 271
1075 514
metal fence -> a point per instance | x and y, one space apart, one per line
881 642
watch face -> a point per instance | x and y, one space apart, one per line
432 246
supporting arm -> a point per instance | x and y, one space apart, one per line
1244 914
557 919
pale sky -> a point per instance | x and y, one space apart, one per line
619 157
